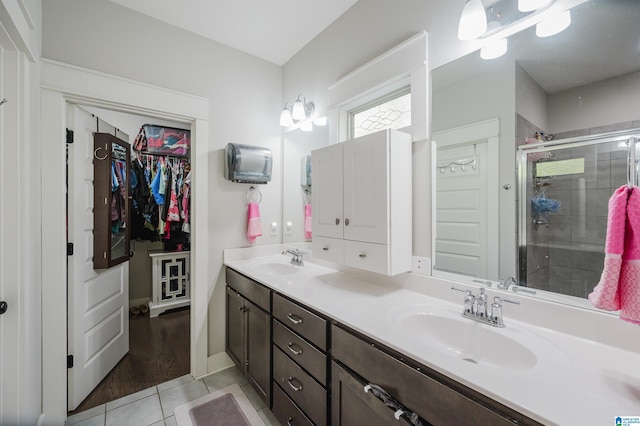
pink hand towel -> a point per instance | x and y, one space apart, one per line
630 272
307 221
606 295
254 227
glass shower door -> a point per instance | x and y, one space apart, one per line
564 189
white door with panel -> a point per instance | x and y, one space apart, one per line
466 231
327 194
366 194
98 317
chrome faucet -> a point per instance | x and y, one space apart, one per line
475 308
505 283
296 258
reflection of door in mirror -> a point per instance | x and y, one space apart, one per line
466 176
582 81
297 145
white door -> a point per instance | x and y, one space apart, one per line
366 189
98 317
326 170
462 211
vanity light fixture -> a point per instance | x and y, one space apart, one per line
531 5
473 21
300 113
494 49
554 24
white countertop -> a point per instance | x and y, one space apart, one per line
550 376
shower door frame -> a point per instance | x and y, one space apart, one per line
522 171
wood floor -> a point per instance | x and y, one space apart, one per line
158 352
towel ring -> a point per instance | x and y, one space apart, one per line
95 154
248 196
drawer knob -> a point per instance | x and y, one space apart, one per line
294 319
337 221
362 255
325 248
294 349
346 222
294 387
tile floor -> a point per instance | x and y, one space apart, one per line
154 406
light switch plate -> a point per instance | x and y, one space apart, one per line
421 265
274 229
288 228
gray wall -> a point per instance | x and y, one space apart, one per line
245 99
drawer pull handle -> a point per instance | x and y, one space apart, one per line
289 420
292 348
294 319
294 387
362 255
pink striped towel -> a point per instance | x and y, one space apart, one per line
307 221
254 227
619 286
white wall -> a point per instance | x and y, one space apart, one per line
606 102
245 96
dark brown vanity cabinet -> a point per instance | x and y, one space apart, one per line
300 364
432 396
248 333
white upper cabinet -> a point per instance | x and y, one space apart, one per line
362 202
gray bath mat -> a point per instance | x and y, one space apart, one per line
226 407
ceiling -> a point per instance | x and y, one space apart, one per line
273 30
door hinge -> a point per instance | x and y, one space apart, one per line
69 136
69 249
69 361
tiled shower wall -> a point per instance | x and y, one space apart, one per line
567 255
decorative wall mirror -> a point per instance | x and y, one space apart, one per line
111 162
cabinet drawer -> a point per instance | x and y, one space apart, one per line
310 396
351 406
432 400
330 249
368 256
257 293
307 356
305 323
286 411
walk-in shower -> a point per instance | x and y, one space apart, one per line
564 189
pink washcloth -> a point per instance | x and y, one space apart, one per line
606 295
630 273
307 221
254 227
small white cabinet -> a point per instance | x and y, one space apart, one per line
170 286
362 208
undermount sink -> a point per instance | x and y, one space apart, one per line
275 268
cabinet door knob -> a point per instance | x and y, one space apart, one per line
294 387
325 248
289 420
294 319
337 221
362 255
3 307
346 222
292 348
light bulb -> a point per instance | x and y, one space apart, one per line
531 5
554 24
298 112
473 21
494 49
285 118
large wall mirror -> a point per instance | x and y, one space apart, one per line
581 82
298 145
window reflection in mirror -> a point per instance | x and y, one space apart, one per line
583 81
296 194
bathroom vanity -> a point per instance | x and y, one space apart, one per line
335 331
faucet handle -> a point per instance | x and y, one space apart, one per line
496 310
469 292
469 300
